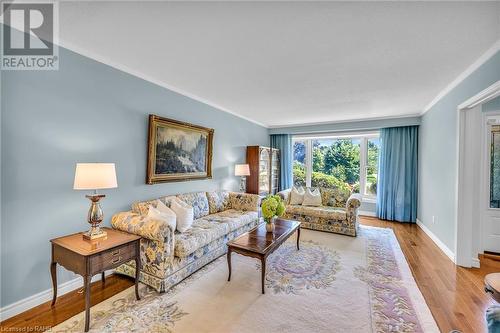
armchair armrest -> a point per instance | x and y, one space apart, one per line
285 195
143 226
244 201
353 203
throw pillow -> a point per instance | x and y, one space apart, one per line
168 215
218 201
184 213
312 198
297 196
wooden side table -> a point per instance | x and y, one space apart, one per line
88 258
492 285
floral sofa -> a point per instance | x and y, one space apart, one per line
167 256
338 212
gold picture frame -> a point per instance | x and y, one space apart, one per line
178 151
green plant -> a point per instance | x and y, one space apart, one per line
272 206
320 179
299 174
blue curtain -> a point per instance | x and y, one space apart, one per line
284 143
397 174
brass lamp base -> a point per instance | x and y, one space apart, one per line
95 217
95 233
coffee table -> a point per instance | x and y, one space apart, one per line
258 243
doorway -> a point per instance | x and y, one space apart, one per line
478 181
490 192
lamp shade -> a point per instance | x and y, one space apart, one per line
242 170
94 176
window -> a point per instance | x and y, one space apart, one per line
335 162
347 161
372 151
299 160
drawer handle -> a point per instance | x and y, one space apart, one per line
114 254
116 260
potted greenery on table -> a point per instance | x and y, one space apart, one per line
272 207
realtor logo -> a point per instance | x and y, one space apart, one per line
29 36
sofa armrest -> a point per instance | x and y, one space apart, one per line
353 203
143 226
244 201
285 195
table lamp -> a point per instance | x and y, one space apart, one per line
95 176
242 170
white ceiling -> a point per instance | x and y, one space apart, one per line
288 63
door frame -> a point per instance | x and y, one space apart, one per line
466 241
486 172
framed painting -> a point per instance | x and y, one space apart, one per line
178 151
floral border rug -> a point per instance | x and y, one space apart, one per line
334 283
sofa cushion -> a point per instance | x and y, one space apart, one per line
312 197
142 207
297 195
334 197
163 213
210 228
199 202
331 213
244 201
234 219
218 201
200 234
184 214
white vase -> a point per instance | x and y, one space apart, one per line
270 225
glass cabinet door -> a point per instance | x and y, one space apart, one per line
275 174
264 171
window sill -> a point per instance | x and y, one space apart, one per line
369 199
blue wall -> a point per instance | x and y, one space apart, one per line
438 156
87 112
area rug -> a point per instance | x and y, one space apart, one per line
334 283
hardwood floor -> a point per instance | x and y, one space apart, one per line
43 317
454 294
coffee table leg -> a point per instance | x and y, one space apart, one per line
229 263
263 261
298 238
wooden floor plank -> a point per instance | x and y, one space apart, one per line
455 295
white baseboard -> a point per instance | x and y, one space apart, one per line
30 302
446 250
367 213
476 263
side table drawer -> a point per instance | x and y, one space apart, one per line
112 258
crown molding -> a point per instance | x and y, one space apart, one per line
105 60
474 66
126 69
482 97
359 120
